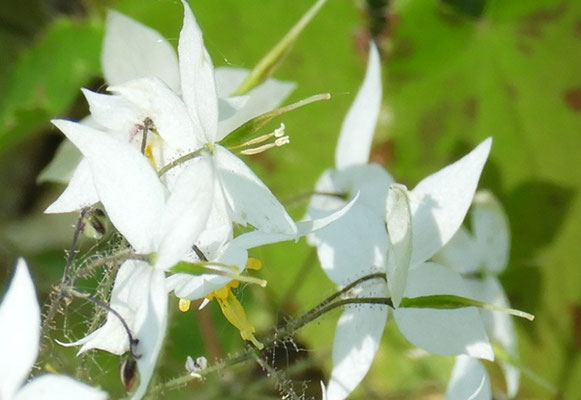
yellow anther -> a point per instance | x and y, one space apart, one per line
184 305
234 313
253 264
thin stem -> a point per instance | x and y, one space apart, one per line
285 390
55 302
179 161
132 341
246 354
73 248
199 253
124 255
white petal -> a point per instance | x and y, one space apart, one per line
356 342
359 124
186 212
128 296
132 50
469 381
440 202
58 387
460 253
250 200
114 113
399 230
197 77
228 79
62 165
79 193
371 181
499 325
353 246
452 332
167 111
491 231
193 287
261 99
150 328
127 186
19 331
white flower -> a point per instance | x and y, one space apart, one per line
484 251
419 222
19 342
205 116
154 221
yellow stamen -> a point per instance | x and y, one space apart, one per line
234 312
184 305
253 264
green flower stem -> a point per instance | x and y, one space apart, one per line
270 61
179 161
330 303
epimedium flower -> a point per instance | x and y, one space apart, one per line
395 231
172 106
155 221
480 255
19 344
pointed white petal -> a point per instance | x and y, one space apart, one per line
186 212
78 194
491 231
460 253
353 246
369 180
359 124
357 339
452 332
250 200
19 331
499 325
260 100
114 113
150 328
469 381
58 387
218 230
132 50
228 79
197 77
167 111
128 296
398 219
193 287
127 186
440 202
62 165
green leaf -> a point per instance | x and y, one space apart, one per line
47 77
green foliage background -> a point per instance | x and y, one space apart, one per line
455 72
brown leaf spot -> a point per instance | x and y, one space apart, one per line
572 98
470 107
577 28
575 311
533 24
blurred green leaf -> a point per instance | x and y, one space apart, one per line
47 77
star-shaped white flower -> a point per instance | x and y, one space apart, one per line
19 343
396 231
188 110
154 221
485 251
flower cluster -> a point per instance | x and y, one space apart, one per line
157 155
